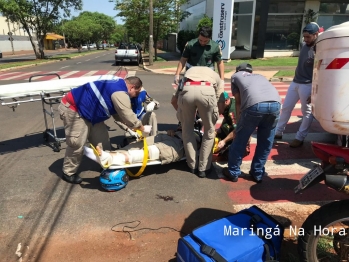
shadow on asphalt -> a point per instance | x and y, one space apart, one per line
26 142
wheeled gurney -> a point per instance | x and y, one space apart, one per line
49 93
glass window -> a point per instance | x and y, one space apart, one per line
331 14
326 21
283 32
243 7
334 8
280 6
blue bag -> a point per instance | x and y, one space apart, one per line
250 235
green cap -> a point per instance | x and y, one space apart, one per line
226 96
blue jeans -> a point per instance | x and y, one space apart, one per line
263 116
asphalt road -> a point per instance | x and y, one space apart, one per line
37 206
46 219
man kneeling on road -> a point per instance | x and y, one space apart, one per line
84 110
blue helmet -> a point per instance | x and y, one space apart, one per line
113 180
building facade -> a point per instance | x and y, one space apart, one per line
262 28
20 37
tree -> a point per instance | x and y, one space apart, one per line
166 16
80 30
205 21
37 16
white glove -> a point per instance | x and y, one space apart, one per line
150 107
147 129
176 79
222 83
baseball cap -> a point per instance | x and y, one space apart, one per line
311 28
226 96
244 67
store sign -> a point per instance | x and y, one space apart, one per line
222 24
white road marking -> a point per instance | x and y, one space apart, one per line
89 73
36 78
20 75
64 67
87 60
78 63
68 74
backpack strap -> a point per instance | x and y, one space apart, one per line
211 252
208 251
255 219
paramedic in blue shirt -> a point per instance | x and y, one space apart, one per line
84 110
143 106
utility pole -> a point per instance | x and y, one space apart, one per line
10 37
151 41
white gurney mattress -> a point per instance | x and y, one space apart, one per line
51 86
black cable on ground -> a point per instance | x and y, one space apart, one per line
138 223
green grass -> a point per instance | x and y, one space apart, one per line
289 73
272 61
41 61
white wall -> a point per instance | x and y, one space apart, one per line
16 29
5 46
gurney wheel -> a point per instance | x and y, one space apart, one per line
46 136
57 146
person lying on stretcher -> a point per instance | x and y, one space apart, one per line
165 148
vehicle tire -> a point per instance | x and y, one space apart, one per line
327 246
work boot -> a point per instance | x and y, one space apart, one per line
278 136
296 143
258 181
229 176
73 179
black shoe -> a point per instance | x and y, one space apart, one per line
258 181
278 136
201 174
193 171
74 179
229 176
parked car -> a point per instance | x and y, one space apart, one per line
0 54
127 53
84 46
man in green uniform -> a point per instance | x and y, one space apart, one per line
201 51
224 133
227 109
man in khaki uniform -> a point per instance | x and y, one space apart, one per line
84 110
201 92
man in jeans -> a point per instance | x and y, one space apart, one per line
257 106
300 88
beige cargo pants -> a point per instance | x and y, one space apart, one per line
77 132
203 99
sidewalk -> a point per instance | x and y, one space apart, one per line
170 65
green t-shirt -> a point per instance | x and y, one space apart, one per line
199 55
229 114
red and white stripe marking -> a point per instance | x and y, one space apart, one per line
62 74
